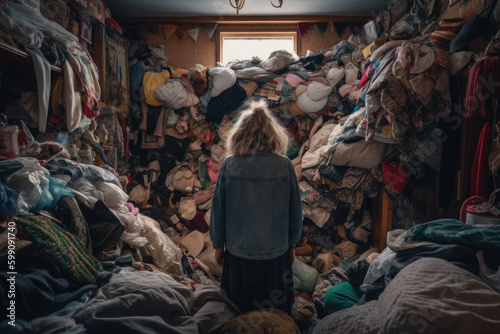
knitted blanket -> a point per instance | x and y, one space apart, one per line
55 243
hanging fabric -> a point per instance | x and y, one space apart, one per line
169 30
193 33
320 27
209 29
303 28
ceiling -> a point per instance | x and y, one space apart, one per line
259 8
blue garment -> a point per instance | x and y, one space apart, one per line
453 231
256 208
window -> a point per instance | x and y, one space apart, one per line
245 45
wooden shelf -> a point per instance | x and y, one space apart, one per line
13 56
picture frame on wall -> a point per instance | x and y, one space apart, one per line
111 58
85 31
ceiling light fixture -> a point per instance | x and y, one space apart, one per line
238 4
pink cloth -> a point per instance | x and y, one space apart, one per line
213 170
294 80
133 210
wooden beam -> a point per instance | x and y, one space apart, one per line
245 19
381 219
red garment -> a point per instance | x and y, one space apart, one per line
395 175
365 78
480 170
483 90
197 223
114 25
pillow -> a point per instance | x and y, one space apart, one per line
222 79
361 154
172 94
335 75
432 295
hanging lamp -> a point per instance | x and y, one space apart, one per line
238 4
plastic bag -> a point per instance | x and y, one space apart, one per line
87 188
114 196
165 253
28 182
51 194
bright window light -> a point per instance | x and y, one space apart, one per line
245 46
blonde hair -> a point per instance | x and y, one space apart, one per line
257 130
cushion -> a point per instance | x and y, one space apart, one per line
432 295
300 89
361 154
294 80
314 98
335 75
172 94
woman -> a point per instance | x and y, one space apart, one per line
256 213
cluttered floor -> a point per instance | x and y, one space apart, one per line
93 249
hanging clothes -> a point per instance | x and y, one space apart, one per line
480 170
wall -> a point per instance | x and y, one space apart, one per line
185 52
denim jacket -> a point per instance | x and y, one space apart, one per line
256 208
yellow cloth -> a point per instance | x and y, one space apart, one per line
56 97
150 82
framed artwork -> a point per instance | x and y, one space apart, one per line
85 31
111 58
97 10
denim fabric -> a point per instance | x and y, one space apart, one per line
256 209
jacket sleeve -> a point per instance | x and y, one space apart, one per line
295 210
218 210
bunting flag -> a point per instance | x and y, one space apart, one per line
210 29
181 33
169 30
331 26
320 27
357 29
340 27
303 28
193 33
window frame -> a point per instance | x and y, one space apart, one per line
288 30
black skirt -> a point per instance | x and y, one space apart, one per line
258 284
